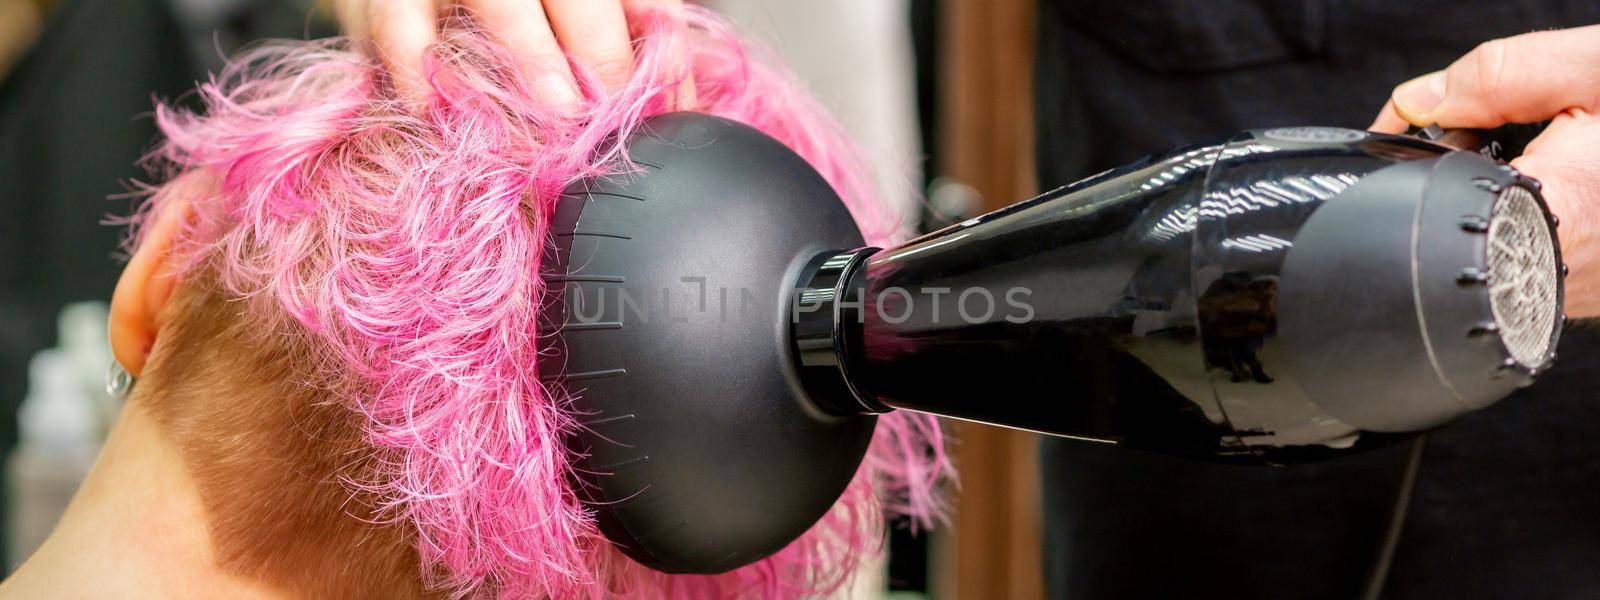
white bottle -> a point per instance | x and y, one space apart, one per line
81 334
61 424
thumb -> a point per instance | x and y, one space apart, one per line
1522 79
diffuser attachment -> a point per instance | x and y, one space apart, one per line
669 291
1278 296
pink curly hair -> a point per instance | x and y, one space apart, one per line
406 245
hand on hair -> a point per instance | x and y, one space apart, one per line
540 34
1547 75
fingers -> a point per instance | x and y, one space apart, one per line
351 15
1388 121
1522 79
595 33
1562 158
521 26
402 31
634 6
686 99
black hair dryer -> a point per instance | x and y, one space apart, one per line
1282 295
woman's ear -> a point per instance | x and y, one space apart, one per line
148 280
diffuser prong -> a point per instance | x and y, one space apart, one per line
1484 328
1473 276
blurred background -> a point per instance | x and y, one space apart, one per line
936 91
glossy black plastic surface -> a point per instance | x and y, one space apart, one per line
1141 306
825 306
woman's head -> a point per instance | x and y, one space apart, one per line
337 298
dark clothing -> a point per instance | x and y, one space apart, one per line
1505 500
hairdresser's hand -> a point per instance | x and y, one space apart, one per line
1527 79
593 32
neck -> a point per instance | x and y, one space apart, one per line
228 475
136 528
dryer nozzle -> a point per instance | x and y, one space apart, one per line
1281 295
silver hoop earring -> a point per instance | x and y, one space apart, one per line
119 383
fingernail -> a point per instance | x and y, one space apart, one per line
558 91
1420 95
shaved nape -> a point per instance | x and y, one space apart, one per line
269 444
